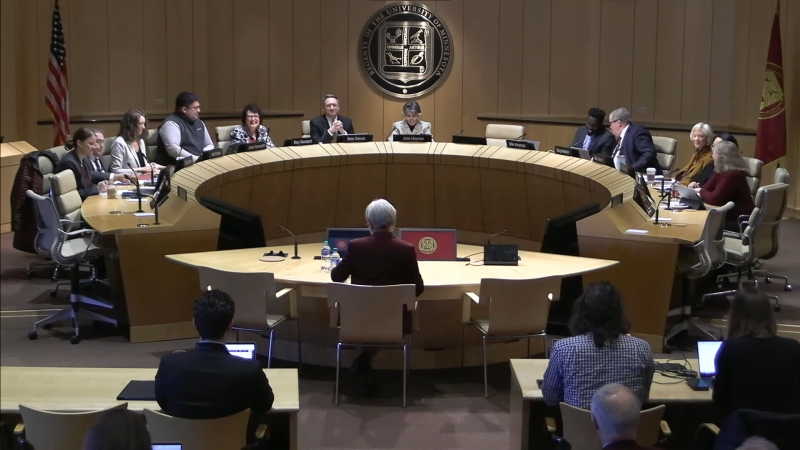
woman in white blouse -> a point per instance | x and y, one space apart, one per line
128 149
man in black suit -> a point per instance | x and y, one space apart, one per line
208 382
633 142
594 136
379 260
325 128
97 167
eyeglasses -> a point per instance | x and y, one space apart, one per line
253 116
196 108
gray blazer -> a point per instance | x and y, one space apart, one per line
401 127
123 154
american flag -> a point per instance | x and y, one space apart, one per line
57 97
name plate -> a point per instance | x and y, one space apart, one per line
525 145
298 142
412 138
562 151
354 138
245 147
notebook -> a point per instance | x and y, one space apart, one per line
139 390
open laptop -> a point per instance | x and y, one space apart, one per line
706 359
245 350
167 446
339 238
689 196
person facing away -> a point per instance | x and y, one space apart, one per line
208 382
756 368
182 134
708 172
118 429
325 128
634 142
615 415
599 352
411 123
594 136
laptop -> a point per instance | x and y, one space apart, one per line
432 244
689 197
500 255
245 350
575 152
139 390
706 359
167 446
339 238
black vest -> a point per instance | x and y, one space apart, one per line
193 136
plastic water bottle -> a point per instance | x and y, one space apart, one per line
326 257
335 258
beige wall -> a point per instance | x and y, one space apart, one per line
681 61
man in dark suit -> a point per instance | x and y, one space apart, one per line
615 414
379 260
594 136
633 142
325 128
97 167
208 382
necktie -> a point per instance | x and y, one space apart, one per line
617 148
98 165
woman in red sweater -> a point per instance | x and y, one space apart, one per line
729 184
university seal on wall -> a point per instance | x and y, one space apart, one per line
427 245
406 50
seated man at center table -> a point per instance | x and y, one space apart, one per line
379 260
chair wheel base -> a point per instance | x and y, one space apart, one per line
48 326
787 288
776 308
75 339
33 335
54 293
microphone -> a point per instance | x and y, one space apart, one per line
152 174
664 195
459 133
523 135
138 188
489 240
391 133
281 227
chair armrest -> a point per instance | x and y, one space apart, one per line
292 300
551 424
415 317
19 429
732 234
79 232
473 296
665 428
466 302
708 426
262 431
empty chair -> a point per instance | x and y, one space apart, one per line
151 142
580 433
754 167
254 294
517 309
224 136
498 133
666 152
305 128
49 430
68 248
225 433
371 316
781 176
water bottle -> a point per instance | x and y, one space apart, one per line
326 257
335 258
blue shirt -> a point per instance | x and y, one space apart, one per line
587 141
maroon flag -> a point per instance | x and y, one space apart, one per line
57 95
771 132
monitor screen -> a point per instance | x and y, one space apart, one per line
706 357
641 195
238 228
245 350
167 446
339 238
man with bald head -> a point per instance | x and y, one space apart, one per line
615 414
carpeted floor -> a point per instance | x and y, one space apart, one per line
446 408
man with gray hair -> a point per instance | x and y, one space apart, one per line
379 260
615 414
634 142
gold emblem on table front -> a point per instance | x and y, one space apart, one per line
427 245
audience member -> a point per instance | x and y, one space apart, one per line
729 184
634 142
615 414
183 134
600 352
757 443
756 369
128 149
411 123
251 129
700 168
326 127
79 148
118 429
594 136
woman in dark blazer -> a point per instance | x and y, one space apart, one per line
80 146
756 369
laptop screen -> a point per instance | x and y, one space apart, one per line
246 350
339 238
168 446
706 356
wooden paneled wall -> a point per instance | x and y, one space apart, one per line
679 61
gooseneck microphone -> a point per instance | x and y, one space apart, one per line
523 135
459 133
138 187
391 133
664 195
281 227
489 240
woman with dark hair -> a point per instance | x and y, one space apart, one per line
600 352
411 123
756 369
118 429
79 148
251 129
128 149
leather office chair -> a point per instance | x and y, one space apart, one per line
151 142
50 430
706 255
254 294
580 433
517 309
225 433
305 128
355 308
497 133
224 136
754 167
60 151
759 238
666 152
68 248
781 176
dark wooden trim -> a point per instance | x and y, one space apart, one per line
159 117
578 121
